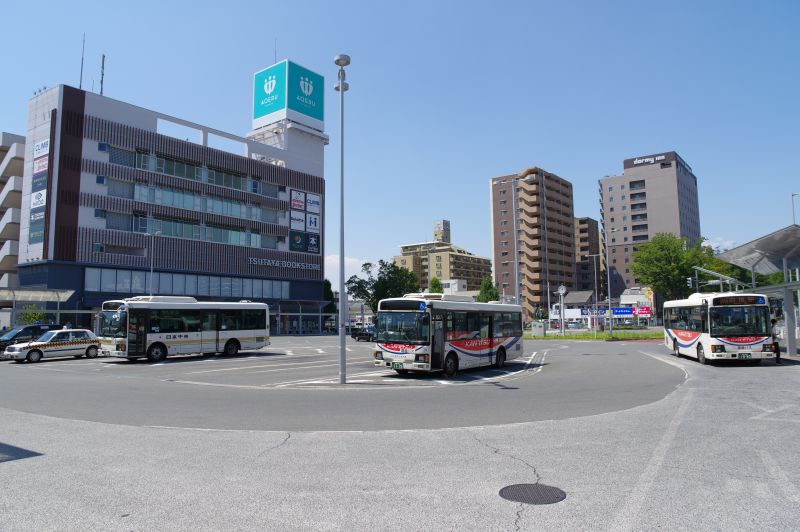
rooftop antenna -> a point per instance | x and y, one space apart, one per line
83 49
102 73
276 49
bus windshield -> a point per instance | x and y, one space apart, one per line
406 327
113 323
739 321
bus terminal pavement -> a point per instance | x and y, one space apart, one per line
635 438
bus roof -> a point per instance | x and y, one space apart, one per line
447 302
698 297
184 303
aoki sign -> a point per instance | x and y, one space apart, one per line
287 90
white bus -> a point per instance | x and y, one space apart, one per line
157 326
435 332
719 326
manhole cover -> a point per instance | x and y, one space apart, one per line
533 494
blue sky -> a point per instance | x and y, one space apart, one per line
445 95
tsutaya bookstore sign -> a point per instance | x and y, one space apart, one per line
287 90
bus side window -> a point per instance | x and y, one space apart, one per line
210 321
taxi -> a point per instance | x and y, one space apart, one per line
62 343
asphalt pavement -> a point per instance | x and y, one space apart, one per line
713 449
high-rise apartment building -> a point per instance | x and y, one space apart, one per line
12 158
532 219
655 194
443 260
587 254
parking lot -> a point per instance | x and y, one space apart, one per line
636 438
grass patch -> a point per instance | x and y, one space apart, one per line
618 335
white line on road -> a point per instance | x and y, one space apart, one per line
627 518
778 474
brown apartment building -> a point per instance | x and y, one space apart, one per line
532 218
589 265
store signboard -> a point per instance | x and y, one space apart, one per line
297 221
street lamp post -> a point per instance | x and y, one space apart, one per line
608 288
594 264
152 258
341 60
794 221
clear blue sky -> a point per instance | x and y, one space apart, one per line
444 96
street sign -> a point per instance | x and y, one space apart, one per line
562 290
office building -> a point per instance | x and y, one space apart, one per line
655 194
532 218
587 244
12 158
443 260
109 194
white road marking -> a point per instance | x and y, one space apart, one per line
628 517
321 351
766 412
779 475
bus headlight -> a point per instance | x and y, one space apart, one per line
421 358
717 348
378 355
766 348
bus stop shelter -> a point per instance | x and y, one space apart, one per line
773 253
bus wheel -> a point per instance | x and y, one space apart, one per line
156 353
701 354
675 350
500 360
451 365
34 356
91 352
231 348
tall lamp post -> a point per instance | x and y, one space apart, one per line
152 258
794 221
594 263
608 288
342 60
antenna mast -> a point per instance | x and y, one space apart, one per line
102 73
83 49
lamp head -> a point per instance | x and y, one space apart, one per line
342 60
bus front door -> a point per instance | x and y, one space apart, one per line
137 332
209 337
437 346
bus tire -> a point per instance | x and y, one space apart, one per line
91 352
701 354
675 351
157 352
500 359
231 348
34 356
450 367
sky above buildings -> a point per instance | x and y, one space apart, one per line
443 97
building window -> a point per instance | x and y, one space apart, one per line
503 213
99 213
101 180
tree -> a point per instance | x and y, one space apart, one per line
487 292
435 286
391 281
327 295
32 314
665 262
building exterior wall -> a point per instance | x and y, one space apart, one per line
12 159
655 194
587 243
443 260
114 183
546 236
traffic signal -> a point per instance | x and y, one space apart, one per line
689 282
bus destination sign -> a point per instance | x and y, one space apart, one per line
740 300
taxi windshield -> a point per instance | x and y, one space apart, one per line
46 336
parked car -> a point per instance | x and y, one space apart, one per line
25 333
61 343
364 333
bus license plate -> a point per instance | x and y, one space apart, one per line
745 356
397 365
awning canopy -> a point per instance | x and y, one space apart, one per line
765 255
9 295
